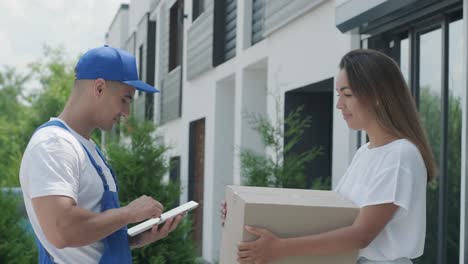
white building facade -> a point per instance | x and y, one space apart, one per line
215 60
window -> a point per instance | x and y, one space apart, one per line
174 171
198 6
150 69
176 34
258 20
428 52
225 24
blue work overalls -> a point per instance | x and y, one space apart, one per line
116 247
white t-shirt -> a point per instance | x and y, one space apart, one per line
393 173
54 163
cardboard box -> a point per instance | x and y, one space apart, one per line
287 213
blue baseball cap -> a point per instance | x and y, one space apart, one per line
111 64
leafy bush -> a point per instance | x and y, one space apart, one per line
140 166
284 168
16 244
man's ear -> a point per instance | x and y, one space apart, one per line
99 86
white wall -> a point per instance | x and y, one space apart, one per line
154 16
253 99
464 145
223 157
118 30
305 51
138 8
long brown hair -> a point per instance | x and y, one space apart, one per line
377 82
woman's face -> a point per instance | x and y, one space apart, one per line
356 114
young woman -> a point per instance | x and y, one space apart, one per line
387 177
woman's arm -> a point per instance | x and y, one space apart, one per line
368 224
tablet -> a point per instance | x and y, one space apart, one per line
148 224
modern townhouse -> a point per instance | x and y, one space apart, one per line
215 60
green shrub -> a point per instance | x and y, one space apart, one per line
283 168
140 166
16 243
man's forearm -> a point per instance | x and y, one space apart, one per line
67 225
83 227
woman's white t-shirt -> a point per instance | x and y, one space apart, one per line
393 173
54 163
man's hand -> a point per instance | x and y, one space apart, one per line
155 233
143 208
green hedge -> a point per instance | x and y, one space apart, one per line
16 240
140 167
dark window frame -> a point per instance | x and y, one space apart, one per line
150 68
174 171
258 21
140 64
413 31
176 25
219 31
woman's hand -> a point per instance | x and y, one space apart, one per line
265 249
223 212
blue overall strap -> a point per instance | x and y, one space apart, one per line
93 161
109 167
52 123
44 256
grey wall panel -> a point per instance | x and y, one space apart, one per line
280 12
200 43
164 38
163 51
200 64
171 96
200 30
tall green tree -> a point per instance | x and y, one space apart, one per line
21 113
16 244
55 75
11 123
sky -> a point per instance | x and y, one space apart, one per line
27 25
